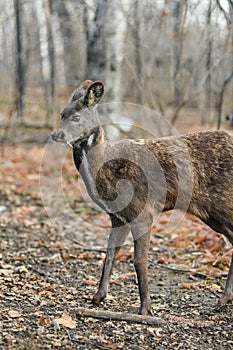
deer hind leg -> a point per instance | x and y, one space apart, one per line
141 247
116 239
227 295
227 230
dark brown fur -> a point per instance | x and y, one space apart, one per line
193 172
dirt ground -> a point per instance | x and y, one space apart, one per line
50 267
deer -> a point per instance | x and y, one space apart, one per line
133 180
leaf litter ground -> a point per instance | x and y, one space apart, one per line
48 272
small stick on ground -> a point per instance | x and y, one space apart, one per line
119 316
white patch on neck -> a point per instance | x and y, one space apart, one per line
69 144
90 140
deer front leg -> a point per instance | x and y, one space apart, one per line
117 237
141 247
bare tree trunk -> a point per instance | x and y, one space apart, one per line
96 45
177 48
68 36
115 31
208 61
51 51
47 53
115 34
138 60
19 84
229 21
58 46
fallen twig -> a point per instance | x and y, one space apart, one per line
75 241
195 273
89 343
149 320
97 249
119 316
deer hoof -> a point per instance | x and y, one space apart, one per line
146 310
225 299
98 298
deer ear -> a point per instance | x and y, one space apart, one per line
94 93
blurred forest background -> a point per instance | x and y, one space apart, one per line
175 57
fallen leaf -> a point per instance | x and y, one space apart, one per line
6 266
43 321
163 220
24 208
86 255
89 282
14 314
124 276
124 255
57 343
192 285
21 269
6 272
66 320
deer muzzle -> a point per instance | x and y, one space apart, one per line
58 136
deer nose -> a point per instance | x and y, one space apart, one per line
58 136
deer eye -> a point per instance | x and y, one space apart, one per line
75 118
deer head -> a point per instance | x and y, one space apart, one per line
79 117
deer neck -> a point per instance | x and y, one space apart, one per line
86 167
82 147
